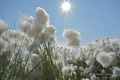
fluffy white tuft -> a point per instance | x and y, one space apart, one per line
105 59
75 42
25 23
33 32
116 72
85 79
42 18
15 35
43 37
2 44
51 29
30 19
35 59
67 71
70 34
3 26
40 12
93 77
32 47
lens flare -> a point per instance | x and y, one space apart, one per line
66 6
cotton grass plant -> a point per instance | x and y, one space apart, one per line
32 54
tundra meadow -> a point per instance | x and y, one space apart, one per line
33 54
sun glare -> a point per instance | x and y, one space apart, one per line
66 6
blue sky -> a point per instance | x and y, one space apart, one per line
94 19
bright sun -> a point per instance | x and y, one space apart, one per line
66 6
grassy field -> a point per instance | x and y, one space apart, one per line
33 54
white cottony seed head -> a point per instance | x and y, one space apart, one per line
105 59
3 26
